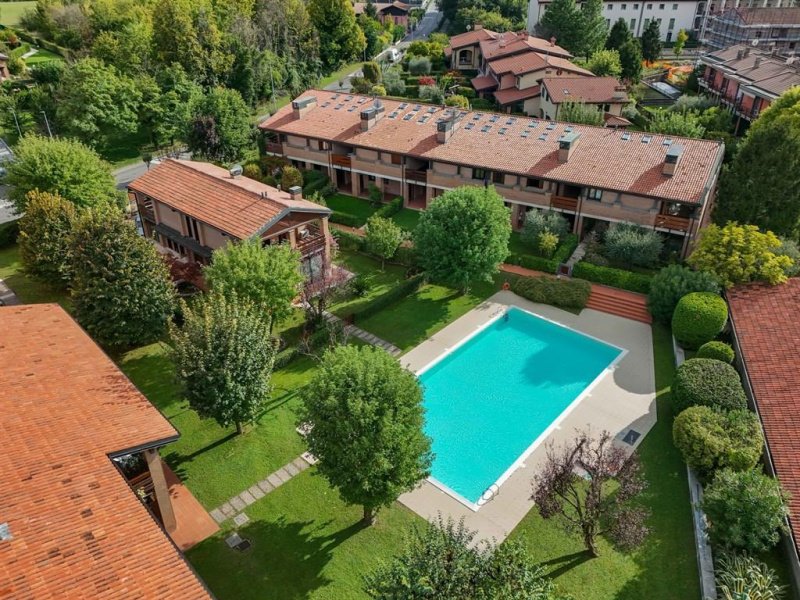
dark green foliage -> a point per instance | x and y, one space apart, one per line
224 358
746 510
443 560
699 317
463 236
372 72
651 41
562 20
538 221
345 219
362 394
630 57
671 284
593 27
566 293
537 263
397 293
220 128
685 124
565 249
8 233
716 350
618 35
711 439
631 244
340 38
390 209
44 232
618 278
707 382
121 288
348 241
419 66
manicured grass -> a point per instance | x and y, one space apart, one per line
306 544
368 268
407 218
10 12
41 56
354 207
340 74
213 461
125 150
28 289
665 567
517 246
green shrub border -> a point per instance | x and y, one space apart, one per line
8 233
406 288
344 219
565 293
389 210
618 278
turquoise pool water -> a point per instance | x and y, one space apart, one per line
490 399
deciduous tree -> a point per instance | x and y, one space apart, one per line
680 42
366 418
605 63
668 122
220 127
341 39
383 238
576 111
44 232
224 357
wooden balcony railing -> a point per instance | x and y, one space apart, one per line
341 160
672 222
274 147
564 203
413 175
311 245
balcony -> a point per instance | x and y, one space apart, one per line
341 160
418 176
672 222
564 203
274 147
310 242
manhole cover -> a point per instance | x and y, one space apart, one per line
241 519
631 437
244 545
233 540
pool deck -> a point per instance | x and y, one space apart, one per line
624 399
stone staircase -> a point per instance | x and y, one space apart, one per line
619 302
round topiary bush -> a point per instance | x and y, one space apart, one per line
716 350
699 318
671 284
711 439
707 382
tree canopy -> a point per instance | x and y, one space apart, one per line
575 111
651 41
220 128
618 35
340 38
562 20
630 57
44 232
383 238
605 63
670 122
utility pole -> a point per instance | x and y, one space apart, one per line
46 122
16 121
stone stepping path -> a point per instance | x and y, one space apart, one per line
364 335
232 509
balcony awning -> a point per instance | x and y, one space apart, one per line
184 241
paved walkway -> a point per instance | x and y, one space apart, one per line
7 295
232 509
364 335
577 255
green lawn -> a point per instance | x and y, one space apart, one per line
354 207
213 461
28 289
340 74
306 544
10 12
666 566
407 218
42 56
379 281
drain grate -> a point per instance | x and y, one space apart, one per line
631 437
236 542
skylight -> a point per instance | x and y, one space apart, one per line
646 139
667 142
626 136
551 126
469 126
408 117
485 128
502 131
533 124
543 137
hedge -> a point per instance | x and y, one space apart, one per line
8 233
699 317
566 248
707 382
344 219
618 278
566 293
406 256
537 263
716 350
348 241
408 287
390 209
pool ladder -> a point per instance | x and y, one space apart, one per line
489 494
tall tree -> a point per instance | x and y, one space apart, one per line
173 106
630 57
286 30
605 63
383 238
676 123
618 35
121 288
363 394
594 30
269 277
341 40
680 42
563 21
651 41
224 357
220 127
44 232
463 236
59 166
762 184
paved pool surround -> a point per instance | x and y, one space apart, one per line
622 399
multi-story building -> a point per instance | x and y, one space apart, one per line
672 16
768 28
747 80
606 94
191 208
418 151
387 12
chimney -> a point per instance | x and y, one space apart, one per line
553 41
446 127
566 145
477 26
296 192
747 51
620 93
303 105
739 54
758 62
371 115
235 171
672 159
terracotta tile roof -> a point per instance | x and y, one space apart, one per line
768 332
597 90
774 16
359 7
470 38
759 70
506 44
484 82
511 95
615 121
602 158
78 530
209 194
518 63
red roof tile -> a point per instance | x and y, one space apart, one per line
506 44
602 158
240 207
596 90
768 332
78 529
484 82
470 38
511 95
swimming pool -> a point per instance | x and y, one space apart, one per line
495 397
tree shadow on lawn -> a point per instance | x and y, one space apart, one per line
286 559
567 562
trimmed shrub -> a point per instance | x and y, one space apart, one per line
699 317
539 221
631 244
671 284
482 104
566 293
568 244
548 243
345 219
405 256
253 171
716 350
431 93
408 287
746 510
710 439
537 263
348 241
618 278
707 382
290 177
457 100
390 209
420 65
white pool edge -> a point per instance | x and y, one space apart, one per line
520 461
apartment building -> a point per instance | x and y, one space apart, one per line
191 208
672 16
768 28
395 12
747 80
418 151
606 94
